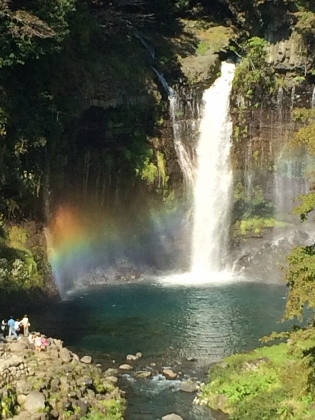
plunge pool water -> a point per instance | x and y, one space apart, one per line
167 324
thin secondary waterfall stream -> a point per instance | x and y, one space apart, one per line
212 190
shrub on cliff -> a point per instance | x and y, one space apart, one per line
254 77
21 268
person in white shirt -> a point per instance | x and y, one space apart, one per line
26 324
17 325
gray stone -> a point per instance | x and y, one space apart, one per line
189 386
75 357
81 405
112 379
17 346
111 372
35 401
54 414
86 359
131 357
58 343
125 366
169 374
143 374
21 399
54 354
65 355
23 387
10 362
85 381
90 393
172 417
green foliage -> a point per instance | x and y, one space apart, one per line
305 134
148 172
307 205
256 225
214 39
300 276
17 237
8 403
270 382
306 25
35 29
112 409
254 78
250 204
21 268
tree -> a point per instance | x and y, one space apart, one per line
300 274
31 29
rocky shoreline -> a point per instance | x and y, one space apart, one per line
55 384
58 384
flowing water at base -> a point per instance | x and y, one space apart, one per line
167 323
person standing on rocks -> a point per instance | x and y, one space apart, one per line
17 326
11 325
25 324
4 326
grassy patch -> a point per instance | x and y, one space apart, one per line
214 39
256 225
268 383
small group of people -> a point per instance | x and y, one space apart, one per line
12 327
39 340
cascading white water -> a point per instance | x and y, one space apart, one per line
183 123
212 192
185 158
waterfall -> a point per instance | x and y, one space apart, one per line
280 99
184 114
212 192
292 96
184 125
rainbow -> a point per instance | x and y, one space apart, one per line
78 244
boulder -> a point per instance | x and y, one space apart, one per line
131 357
172 417
65 355
189 386
10 362
21 399
81 406
125 366
35 401
86 359
23 387
17 346
169 374
58 343
54 414
111 372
